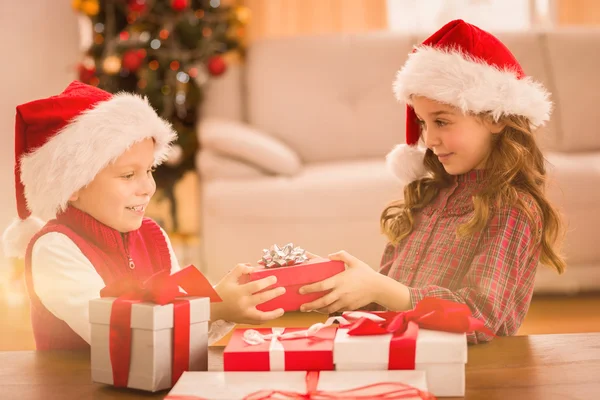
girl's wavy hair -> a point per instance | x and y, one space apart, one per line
516 164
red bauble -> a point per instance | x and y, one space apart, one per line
216 65
179 5
138 6
132 59
86 74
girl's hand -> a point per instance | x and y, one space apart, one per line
311 255
240 300
352 289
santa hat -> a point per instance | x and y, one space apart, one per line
466 67
62 142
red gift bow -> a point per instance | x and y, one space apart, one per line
161 288
375 391
430 313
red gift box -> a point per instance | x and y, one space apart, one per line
311 353
293 278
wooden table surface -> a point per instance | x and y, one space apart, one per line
565 366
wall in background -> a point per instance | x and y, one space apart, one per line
40 49
278 18
578 12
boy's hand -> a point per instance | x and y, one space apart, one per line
352 289
240 300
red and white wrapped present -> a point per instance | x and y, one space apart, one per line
296 385
144 336
281 349
293 270
430 338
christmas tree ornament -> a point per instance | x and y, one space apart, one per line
216 65
179 5
90 7
137 6
133 59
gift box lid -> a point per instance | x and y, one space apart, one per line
314 270
150 316
432 347
237 385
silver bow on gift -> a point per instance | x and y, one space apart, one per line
287 255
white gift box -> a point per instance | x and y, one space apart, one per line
441 355
237 385
151 342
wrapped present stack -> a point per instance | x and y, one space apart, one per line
430 339
153 337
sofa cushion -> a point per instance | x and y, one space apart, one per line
326 190
329 98
237 140
211 165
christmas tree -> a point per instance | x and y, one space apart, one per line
165 50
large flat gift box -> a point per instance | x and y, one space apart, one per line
280 354
292 278
151 346
441 355
286 385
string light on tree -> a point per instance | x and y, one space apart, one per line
200 74
111 65
242 14
183 77
87 70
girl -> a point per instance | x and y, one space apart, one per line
473 227
84 162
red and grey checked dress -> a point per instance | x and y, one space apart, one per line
492 271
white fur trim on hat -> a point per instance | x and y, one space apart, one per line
17 236
77 153
406 163
472 85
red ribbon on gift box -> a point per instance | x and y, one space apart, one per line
161 288
430 313
376 391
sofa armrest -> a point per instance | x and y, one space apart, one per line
240 141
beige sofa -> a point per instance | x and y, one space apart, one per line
293 147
